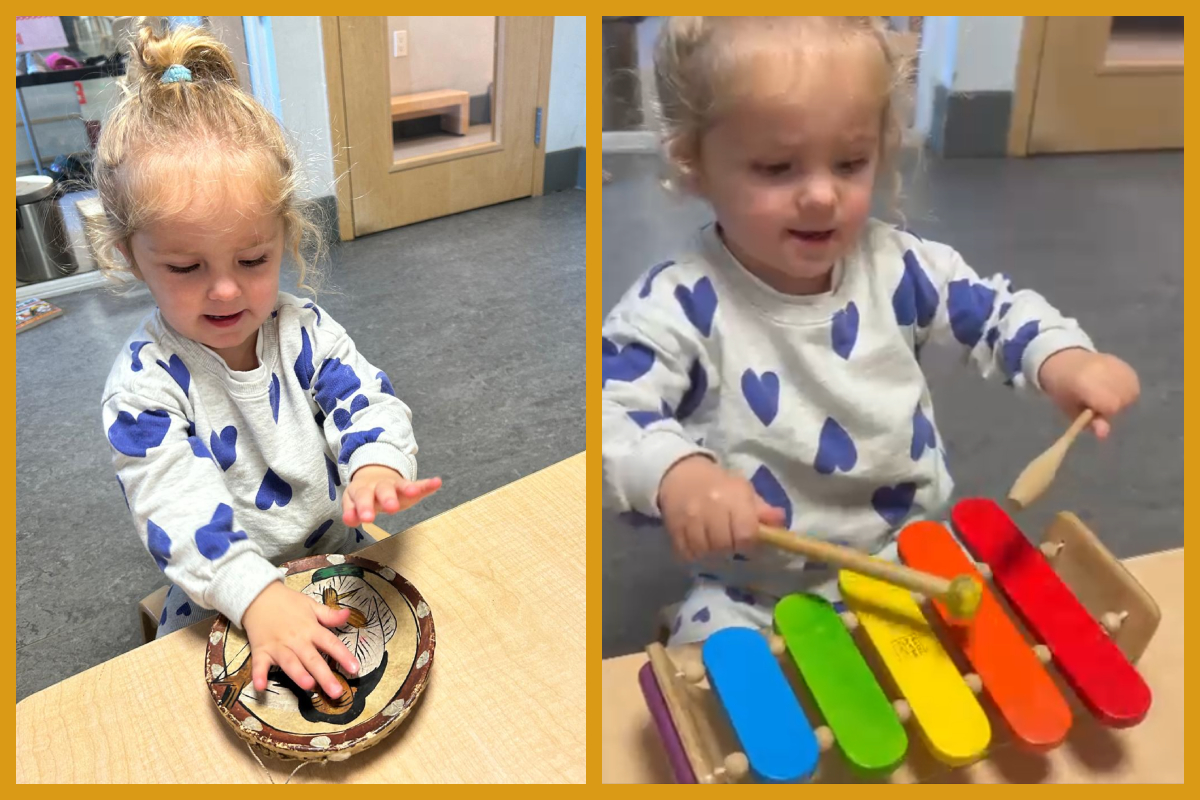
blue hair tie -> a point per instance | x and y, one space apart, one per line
176 73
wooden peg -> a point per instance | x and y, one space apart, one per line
1037 477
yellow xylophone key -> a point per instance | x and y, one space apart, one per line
948 717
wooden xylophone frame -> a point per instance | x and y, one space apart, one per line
701 743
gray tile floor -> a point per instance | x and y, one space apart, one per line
1100 236
477 318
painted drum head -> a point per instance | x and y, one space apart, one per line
390 633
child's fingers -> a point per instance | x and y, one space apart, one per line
258 673
745 527
1101 428
332 617
385 494
329 643
319 669
349 515
770 515
364 505
422 488
296 671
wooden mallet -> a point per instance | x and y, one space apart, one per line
961 594
1037 477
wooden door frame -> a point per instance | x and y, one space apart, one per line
1029 66
335 92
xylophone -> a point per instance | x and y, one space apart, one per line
770 706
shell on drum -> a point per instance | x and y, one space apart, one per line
390 632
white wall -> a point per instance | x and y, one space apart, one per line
566 123
300 65
987 54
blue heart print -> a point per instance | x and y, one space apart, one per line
273 491
970 307
319 418
316 535
699 304
162 619
644 418
992 335
694 396
224 447
273 395
135 350
625 364
198 448
1014 348
358 535
844 331
304 361
836 450
213 540
158 543
342 418
123 494
678 623
385 385
331 472
703 615
354 440
315 310
1004 309
177 370
767 486
184 610
916 298
923 435
894 502
657 268
134 437
335 382
739 596
762 394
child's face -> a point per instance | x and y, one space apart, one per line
215 277
790 180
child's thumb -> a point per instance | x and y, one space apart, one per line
770 515
332 617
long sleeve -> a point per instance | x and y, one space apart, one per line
177 495
363 419
1003 330
655 374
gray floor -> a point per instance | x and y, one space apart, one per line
1100 236
477 318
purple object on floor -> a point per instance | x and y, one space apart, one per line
56 61
666 726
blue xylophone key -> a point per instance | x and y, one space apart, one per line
761 705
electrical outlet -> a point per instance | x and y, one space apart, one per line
399 44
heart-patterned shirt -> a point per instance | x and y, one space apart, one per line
228 474
819 401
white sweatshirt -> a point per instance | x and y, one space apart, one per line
820 400
228 474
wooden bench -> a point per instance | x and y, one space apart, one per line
452 105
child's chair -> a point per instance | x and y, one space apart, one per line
150 608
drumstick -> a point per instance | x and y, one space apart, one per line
961 595
1037 477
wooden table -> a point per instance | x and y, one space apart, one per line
504 575
1149 753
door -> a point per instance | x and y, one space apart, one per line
441 115
1106 83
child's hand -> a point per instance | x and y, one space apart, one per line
706 509
290 630
374 488
1078 379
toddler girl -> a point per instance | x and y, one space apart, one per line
235 411
770 374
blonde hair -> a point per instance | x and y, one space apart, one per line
700 65
204 131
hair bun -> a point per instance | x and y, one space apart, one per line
157 52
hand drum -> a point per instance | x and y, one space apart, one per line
390 632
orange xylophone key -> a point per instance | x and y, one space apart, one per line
1014 679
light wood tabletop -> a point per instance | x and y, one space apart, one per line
506 702
1152 752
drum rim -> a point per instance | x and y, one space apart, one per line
361 735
